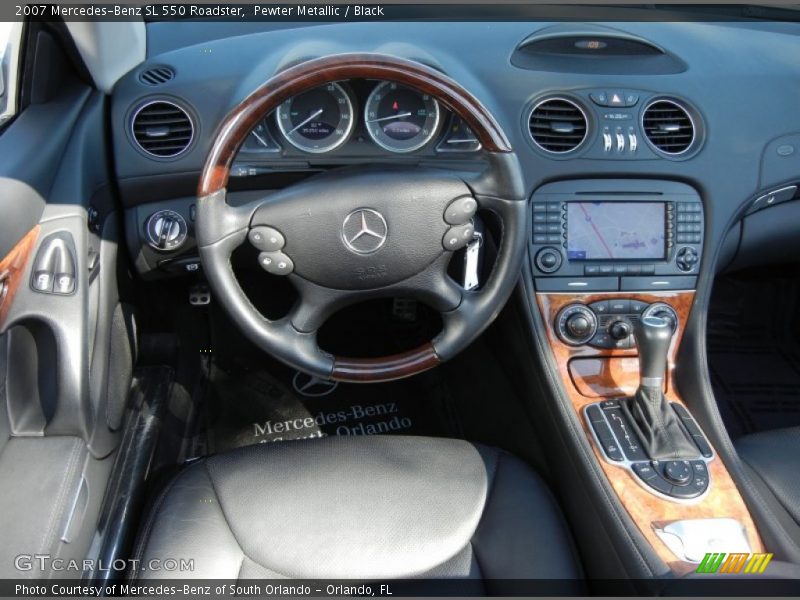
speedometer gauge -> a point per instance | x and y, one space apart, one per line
318 120
399 118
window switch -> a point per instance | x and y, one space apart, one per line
43 281
64 283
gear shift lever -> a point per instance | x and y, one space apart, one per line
653 336
648 411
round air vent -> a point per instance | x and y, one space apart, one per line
162 129
558 125
668 127
156 75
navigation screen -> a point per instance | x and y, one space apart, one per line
615 230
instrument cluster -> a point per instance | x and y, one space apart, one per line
351 117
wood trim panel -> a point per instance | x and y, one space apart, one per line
12 271
646 510
319 71
604 377
386 368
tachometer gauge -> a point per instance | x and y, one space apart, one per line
318 120
399 118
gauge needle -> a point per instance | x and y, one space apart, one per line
313 116
397 116
260 139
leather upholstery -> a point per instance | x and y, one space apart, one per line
363 507
774 456
40 477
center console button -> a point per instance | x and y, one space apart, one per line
619 306
678 471
644 470
600 307
637 306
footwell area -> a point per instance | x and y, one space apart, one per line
249 404
754 350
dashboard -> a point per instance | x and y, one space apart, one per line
670 103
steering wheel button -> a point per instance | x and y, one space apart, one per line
458 237
460 210
276 263
266 239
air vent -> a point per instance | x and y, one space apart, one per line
162 129
558 125
156 75
668 127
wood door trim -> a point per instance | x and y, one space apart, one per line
13 268
644 508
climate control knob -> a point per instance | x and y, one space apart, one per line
663 311
620 330
576 324
166 230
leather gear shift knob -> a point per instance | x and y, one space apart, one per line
653 337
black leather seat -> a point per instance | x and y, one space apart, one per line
773 456
362 508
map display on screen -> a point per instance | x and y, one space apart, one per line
615 230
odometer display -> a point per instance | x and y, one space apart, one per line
319 120
399 118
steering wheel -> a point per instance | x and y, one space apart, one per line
356 234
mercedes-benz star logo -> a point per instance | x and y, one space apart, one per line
364 231
311 386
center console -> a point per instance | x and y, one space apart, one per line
615 266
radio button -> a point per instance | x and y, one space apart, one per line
648 269
553 228
554 239
620 269
540 228
539 207
591 270
607 269
539 218
552 217
539 239
633 270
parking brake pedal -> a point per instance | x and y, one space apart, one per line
199 295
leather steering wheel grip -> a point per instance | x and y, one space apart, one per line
220 228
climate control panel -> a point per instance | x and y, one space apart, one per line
607 323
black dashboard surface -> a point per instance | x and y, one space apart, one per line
743 79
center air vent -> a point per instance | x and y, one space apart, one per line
162 129
558 125
668 126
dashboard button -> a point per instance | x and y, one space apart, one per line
591 270
616 99
600 307
599 98
631 99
